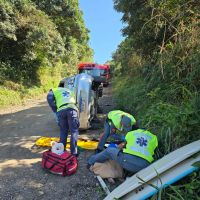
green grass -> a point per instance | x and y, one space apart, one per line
12 94
175 122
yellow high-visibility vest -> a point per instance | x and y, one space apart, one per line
64 96
116 115
141 143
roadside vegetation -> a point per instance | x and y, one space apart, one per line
157 74
156 68
40 43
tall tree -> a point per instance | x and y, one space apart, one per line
29 40
69 21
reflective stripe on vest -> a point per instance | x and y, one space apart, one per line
64 96
141 143
70 105
116 115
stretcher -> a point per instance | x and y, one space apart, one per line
83 143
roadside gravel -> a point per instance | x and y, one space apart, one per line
21 175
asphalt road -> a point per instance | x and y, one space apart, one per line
21 175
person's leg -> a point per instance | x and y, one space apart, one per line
132 163
104 137
108 154
118 137
62 122
128 162
73 123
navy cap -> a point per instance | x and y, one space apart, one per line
126 124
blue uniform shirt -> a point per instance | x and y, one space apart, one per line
51 101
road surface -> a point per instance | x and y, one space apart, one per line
21 175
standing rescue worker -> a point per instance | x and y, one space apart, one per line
62 102
116 125
135 154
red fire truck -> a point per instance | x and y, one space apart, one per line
106 74
101 73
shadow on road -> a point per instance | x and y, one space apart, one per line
21 175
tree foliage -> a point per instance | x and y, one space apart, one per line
157 70
35 35
68 19
161 59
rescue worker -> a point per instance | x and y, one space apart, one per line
62 102
133 155
117 123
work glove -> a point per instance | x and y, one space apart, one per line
113 145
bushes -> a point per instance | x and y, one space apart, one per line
160 84
9 97
40 44
175 122
34 42
157 70
37 36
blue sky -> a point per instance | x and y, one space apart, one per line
104 25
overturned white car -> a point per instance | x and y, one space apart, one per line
87 92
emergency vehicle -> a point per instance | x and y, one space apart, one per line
100 73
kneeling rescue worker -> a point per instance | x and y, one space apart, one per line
133 155
116 125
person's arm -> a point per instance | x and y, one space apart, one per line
112 128
51 101
121 145
118 135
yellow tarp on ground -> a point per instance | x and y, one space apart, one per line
85 144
